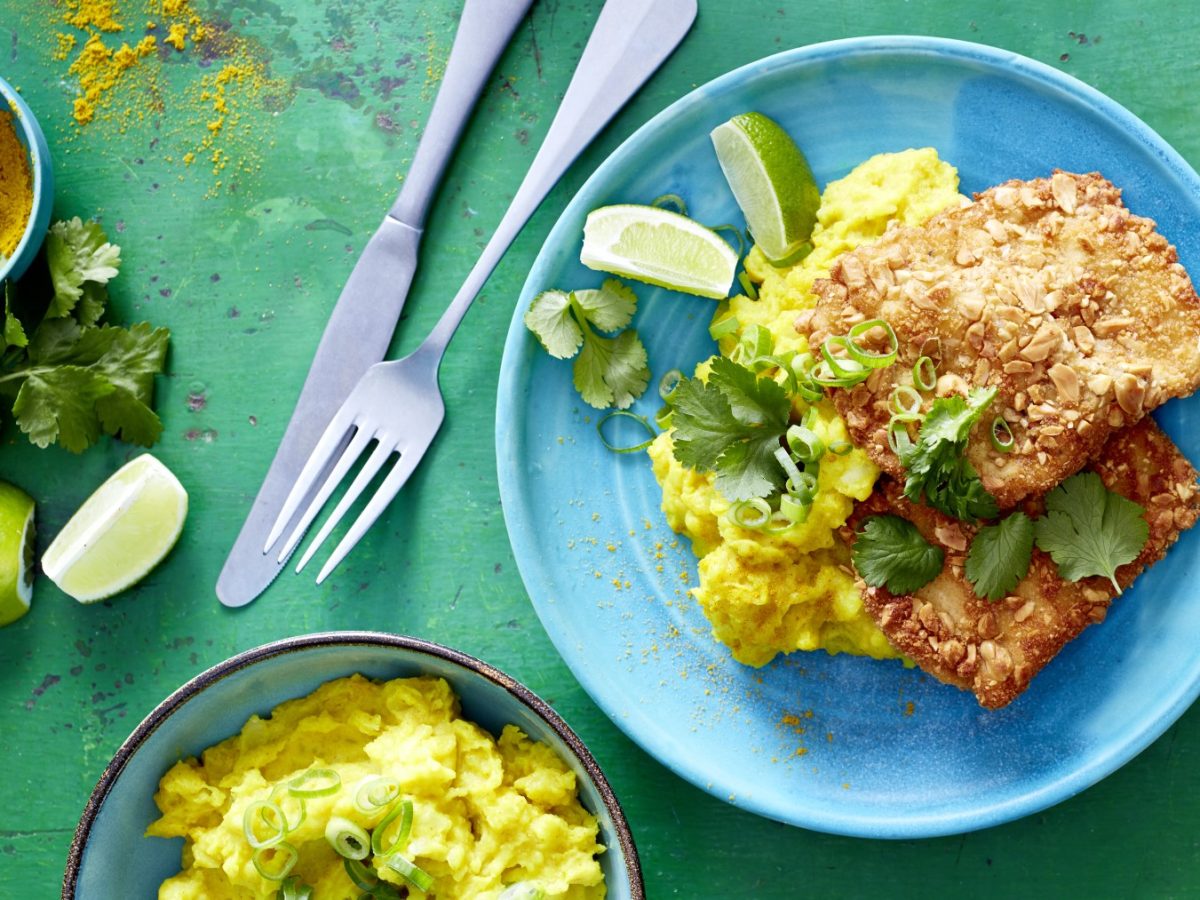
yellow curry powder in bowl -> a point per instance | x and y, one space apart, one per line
26 184
769 593
16 187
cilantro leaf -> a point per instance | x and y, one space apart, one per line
999 556
731 424
1090 530
549 318
78 252
890 551
14 331
611 371
610 307
937 466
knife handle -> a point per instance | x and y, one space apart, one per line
484 31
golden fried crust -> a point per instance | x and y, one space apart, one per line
994 649
1050 291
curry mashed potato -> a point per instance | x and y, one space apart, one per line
487 813
774 593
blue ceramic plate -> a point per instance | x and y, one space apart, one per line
838 744
216 704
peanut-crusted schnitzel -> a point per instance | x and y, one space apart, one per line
1050 291
994 649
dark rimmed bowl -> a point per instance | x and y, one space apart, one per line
30 134
216 704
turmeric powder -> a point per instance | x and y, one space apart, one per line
16 187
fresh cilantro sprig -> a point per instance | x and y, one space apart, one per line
609 371
731 424
937 466
67 378
890 551
999 556
1090 530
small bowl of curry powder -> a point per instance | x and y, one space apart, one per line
26 185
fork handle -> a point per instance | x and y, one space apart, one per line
630 41
483 32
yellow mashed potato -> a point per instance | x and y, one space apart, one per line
774 593
487 813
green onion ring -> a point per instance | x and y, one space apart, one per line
778 523
349 839
626 414
805 443
795 509
664 200
761 363
327 782
375 792
999 431
724 327
663 417
843 366
819 377
794 257
788 464
757 505
403 810
840 448
748 287
294 889
291 854
869 358
279 796
757 341
803 488
668 383
898 438
523 890
364 879
260 808
925 373
410 872
737 233
905 401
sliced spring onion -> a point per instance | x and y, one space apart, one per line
778 523
925 374
781 363
898 438
805 443
788 464
1002 435
804 487
664 200
668 383
375 792
750 514
626 414
349 839
723 327
263 813
282 797
796 510
523 890
663 417
294 889
870 358
905 404
276 862
364 879
808 389
410 872
844 366
315 783
840 448
736 232
402 810
748 287
757 341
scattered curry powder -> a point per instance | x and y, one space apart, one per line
16 187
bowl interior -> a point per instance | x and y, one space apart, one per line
29 133
217 703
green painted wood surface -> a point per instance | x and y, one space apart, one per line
245 275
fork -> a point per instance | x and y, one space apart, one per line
398 404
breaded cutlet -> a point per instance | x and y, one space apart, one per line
994 649
1049 290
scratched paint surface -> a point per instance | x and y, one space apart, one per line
244 273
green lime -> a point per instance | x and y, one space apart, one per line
770 180
120 533
660 247
16 553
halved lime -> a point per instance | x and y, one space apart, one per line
16 553
120 533
660 247
771 181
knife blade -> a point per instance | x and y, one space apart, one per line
360 327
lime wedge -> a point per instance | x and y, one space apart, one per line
659 247
16 553
120 533
770 180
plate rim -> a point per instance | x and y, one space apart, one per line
521 527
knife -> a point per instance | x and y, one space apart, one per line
362 322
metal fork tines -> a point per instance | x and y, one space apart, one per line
397 407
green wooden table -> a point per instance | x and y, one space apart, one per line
245 272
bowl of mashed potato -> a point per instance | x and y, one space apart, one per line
349 765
